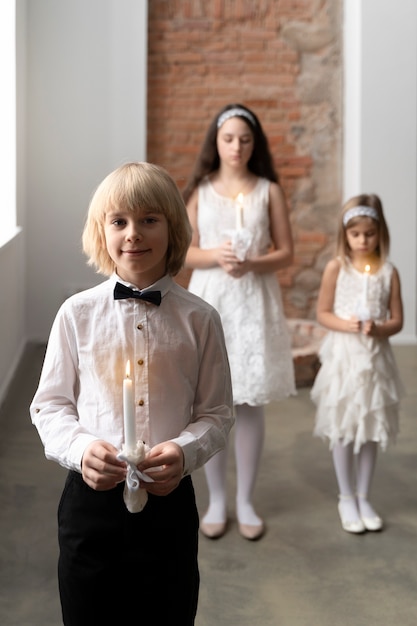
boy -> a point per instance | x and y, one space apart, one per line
113 562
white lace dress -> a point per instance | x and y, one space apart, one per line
257 336
357 389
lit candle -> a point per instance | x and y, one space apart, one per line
129 411
239 211
365 284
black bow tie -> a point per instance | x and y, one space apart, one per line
121 292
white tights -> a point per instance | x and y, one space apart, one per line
249 438
343 460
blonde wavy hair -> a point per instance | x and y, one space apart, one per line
133 186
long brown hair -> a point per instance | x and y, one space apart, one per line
208 161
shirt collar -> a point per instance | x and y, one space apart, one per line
163 285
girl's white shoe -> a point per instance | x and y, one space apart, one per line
370 519
373 523
351 523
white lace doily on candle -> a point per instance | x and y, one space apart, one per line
241 241
362 311
134 497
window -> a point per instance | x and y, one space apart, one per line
7 120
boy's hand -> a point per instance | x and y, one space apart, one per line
100 466
168 459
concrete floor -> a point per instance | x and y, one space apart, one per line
306 571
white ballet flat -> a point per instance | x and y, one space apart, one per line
350 526
373 523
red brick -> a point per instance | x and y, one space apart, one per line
203 55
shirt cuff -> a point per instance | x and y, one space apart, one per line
187 443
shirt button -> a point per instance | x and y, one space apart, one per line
139 326
140 362
141 403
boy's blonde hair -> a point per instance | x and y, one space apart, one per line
363 200
131 187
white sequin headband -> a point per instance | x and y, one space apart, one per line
360 211
236 112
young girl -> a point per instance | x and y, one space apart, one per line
234 193
357 389
114 562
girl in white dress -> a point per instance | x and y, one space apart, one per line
241 237
357 389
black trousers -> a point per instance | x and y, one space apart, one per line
139 567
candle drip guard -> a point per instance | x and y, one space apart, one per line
362 311
134 497
241 241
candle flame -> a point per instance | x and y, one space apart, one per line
240 198
128 369
367 268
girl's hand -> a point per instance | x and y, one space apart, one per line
167 461
369 328
240 268
226 257
100 467
353 325
229 262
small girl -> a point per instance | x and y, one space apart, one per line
357 389
241 237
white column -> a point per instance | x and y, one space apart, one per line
380 130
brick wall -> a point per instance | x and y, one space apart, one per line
282 59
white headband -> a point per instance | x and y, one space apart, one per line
360 211
236 112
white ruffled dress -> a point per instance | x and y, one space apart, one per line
257 336
358 389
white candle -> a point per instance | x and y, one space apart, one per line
239 211
129 411
365 284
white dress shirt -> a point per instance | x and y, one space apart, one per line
178 363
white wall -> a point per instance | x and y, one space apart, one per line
381 126
86 114
81 112
12 331
12 253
